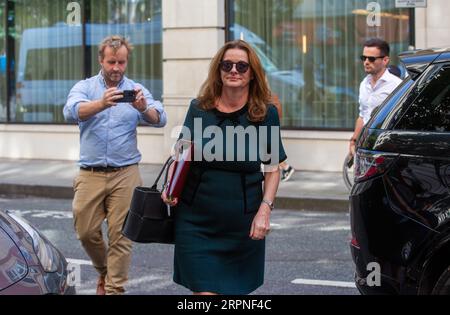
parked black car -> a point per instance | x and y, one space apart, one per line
400 203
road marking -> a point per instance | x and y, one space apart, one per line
150 282
335 228
326 283
275 226
145 284
43 214
79 261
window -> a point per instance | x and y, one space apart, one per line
3 66
49 63
139 21
430 111
48 59
50 56
310 50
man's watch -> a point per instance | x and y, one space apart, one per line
269 203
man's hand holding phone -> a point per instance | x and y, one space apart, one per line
111 97
140 103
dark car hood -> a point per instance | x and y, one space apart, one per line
20 237
13 266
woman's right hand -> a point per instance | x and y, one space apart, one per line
171 202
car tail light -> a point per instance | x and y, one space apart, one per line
370 164
354 242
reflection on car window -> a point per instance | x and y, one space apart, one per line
267 64
431 109
48 64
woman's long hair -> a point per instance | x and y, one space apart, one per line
259 92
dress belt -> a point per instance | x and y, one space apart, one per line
105 169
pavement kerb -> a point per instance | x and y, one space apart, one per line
55 192
312 204
281 202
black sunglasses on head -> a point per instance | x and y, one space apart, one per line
241 66
371 58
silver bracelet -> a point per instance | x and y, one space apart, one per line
269 203
146 110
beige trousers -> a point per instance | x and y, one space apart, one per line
100 196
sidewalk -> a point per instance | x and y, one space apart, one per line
43 178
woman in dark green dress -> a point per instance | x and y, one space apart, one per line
223 215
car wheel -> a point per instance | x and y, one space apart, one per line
442 286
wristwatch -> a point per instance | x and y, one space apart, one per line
269 203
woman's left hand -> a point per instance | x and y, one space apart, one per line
261 223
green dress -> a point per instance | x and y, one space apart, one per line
213 250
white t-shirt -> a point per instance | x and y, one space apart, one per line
369 97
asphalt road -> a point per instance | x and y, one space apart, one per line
307 252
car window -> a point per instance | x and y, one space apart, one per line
430 111
386 114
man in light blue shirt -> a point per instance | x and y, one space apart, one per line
109 159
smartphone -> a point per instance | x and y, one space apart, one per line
129 96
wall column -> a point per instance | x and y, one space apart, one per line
193 31
433 25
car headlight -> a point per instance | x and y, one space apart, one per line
41 246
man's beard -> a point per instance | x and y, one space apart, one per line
371 71
114 77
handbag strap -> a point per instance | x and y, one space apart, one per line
166 168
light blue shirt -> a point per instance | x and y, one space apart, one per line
109 138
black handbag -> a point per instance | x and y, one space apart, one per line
149 219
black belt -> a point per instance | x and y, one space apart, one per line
104 169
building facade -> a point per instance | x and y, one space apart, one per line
309 49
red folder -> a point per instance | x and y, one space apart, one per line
184 151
